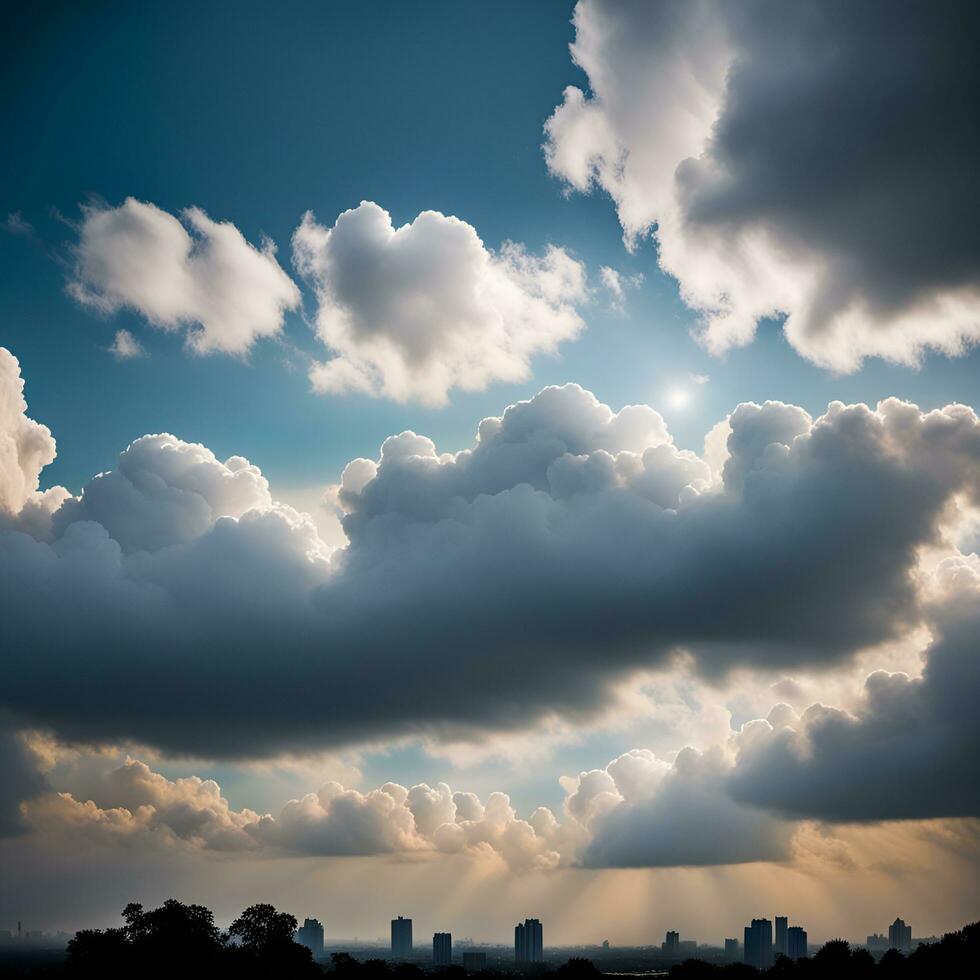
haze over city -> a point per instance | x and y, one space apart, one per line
491 464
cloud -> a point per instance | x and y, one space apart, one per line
616 284
642 813
26 447
179 606
21 778
411 313
165 491
789 161
910 751
16 224
193 274
134 806
125 346
907 753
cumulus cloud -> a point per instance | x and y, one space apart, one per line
642 813
26 447
165 491
410 313
790 161
190 273
133 805
909 751
571 546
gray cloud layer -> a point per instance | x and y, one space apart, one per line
172 603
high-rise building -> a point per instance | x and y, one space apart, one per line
528 942
758 944
310 935
795 942
670 945
442 948
401 937
877 941
474 962
779 943
731 949
900 936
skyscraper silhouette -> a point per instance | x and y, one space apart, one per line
671 944
401 937
442 948
528 942
900 936
758 944
310 935
779 944
796 943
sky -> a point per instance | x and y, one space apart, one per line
457 450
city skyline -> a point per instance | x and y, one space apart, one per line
492 463
792 941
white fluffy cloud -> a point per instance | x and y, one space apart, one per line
165 491
132 804
410 313
195 274
791 161
26 447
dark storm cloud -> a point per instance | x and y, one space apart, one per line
912 751
812 159
527 576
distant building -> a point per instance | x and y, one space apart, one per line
731 949
605 944
779 943
401 937
310 935
757 943
442 948
877 941
900 936
528 942
474 962
795 942
669 947
687 948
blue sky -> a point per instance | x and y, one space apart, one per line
257 114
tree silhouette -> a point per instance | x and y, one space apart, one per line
261 927
266 944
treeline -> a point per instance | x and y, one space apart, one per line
955 956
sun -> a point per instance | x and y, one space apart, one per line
678 398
